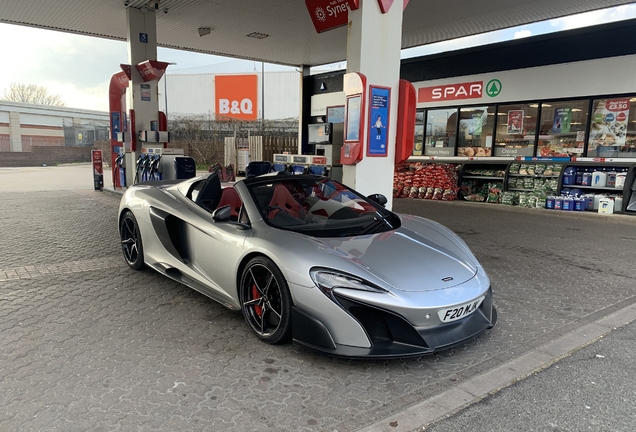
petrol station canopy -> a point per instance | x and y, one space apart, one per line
280 31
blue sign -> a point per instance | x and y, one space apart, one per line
115 124
379 121
143 37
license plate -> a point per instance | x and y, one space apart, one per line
460 311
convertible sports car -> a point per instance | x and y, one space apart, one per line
308 259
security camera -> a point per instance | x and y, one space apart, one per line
153 5
126 3
165 11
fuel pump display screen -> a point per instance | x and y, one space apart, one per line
319 133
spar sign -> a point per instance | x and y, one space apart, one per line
236 96
459 91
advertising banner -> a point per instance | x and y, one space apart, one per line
378 120
98 169
236 96
609 122
515 122
562 119
330 14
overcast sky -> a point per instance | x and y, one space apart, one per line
79 67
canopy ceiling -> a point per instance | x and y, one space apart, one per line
291 38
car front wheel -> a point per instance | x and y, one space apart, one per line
131 241
266 301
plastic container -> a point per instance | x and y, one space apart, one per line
578 178
568 175
606 205
620 180
549 203
587 179
611 179
597 199
558 203
580 204
599 179
589 201
618 204
568 203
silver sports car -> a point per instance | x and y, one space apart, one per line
308 259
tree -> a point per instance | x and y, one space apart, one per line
31 93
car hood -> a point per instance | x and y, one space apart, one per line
421 255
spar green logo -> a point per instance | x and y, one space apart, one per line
493 88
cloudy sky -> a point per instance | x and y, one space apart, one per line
79 67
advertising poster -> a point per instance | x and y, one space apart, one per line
98 169
562 119
515 122
145 92
379 121
353 118
609 122
236 96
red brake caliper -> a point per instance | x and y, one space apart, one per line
256 295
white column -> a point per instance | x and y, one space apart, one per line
142 46
373 49
15 134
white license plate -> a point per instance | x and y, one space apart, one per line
460 311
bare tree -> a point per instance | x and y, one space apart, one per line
31 93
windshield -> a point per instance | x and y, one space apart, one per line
319 207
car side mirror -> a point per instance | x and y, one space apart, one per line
378 198
222 214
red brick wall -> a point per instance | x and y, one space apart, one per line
30 141
45 155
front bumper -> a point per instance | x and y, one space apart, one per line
391 335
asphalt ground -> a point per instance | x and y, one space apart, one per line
90 345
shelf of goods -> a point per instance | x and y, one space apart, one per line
426 180
606 187
482 181
529 183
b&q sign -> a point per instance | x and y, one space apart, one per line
236 96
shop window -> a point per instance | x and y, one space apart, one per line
476 127
516 130
418 145
562 130
441 132
613 128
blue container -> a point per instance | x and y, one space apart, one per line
589 202
568 203
549 203
587 179
578 178
568 176
580 204
558 203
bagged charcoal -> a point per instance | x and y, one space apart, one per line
528 183
508 198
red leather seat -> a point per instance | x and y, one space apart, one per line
283 200
230 197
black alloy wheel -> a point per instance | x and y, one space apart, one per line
266 301
131 242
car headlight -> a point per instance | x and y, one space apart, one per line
327 280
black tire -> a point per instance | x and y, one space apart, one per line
265 301
131 245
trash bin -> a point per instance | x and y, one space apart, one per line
184 167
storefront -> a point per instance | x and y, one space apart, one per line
576 109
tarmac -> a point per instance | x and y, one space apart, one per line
92 345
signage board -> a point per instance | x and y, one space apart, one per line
236 96
330 14
98 169
451 92
379 101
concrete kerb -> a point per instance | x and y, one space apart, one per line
423 414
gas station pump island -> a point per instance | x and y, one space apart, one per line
357 142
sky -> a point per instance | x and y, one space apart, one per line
79 68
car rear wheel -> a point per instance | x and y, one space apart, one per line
131 241
266 301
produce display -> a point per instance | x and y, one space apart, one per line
485 172
426 181
490 192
